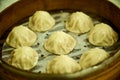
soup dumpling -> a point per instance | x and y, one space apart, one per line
41 21
23 58
79 22
63 64
93 57
102 35
21 36
60 43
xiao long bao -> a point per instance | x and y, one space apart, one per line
60 43
23 58
102 35
41 21
79 22
63 64
93 57
21 36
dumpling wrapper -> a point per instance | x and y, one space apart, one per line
23 58
41 21
79 22
21 36
92 57
60 43
102 35
63 64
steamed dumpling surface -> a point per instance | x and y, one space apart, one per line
41 21
102 35
60 43
24 58
63 64
21 36
79 22
93 57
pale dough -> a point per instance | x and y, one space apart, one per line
21 36
102 35
60 43
23 58
41 21
93 57
79 22
63 64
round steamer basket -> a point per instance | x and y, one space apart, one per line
20 11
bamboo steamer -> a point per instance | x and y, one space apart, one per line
19 11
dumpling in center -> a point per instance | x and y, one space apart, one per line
60 43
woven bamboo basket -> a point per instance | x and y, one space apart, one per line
19 11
